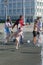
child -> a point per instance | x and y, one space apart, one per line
35 32
7 30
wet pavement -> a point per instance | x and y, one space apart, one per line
27 54
16 57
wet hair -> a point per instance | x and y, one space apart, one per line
38 18
36 21
21 16
7 20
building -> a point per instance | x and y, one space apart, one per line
38 8
15 8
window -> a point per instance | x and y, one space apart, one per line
32 11
14 5
38 3
42 10
14 0
42 3
28 11
39 10
28 0
2 1
19 5
10 12
14 11
10 5
2 6
32 4
19 11
19 0
2 12
10 0
27 4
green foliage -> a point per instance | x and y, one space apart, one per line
3 21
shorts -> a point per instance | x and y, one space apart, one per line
34 33
18 39
38 33
6 33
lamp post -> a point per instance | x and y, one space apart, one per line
24 10
5 3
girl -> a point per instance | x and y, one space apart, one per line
7 30
35 32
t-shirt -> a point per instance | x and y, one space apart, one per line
21 23
6 28
39 26
16 23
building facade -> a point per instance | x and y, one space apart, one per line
38 8
15 8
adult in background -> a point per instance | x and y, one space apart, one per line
28 21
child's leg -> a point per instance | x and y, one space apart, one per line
34 40
17 44
7 37
34 37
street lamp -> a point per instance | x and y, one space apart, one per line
24 10
5 3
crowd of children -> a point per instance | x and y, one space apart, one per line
18 34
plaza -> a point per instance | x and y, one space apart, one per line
27 54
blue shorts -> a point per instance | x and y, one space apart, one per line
7 31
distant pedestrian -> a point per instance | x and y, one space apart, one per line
28 21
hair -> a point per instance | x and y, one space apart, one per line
36 21
7 20
21 16
38 18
